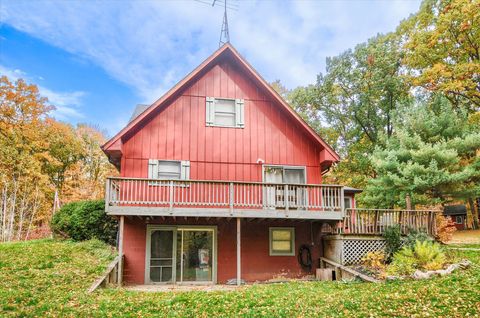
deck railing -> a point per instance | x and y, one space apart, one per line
222 194
375 221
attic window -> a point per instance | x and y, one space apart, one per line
224 112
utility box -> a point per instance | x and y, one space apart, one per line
324 274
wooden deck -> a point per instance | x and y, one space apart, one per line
375 221
233 199
201 198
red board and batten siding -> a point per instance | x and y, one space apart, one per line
257 264
179 132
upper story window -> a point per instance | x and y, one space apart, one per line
168 169
284 174
224 112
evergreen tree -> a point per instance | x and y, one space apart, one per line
434 157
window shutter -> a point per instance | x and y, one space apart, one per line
210 111
239 113
185 172
152 169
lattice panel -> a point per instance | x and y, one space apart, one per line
355 250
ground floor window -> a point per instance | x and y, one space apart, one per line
180 254
459 219
282 241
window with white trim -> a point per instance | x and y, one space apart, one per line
459 219
282 241
168 169
224 112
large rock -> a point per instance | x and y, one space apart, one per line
441 272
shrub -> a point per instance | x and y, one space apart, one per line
423 255
415 235
428 255
445 228
401 265
393 238
85 220
374 260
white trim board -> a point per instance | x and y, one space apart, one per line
227 213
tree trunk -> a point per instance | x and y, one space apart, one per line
408 201
23 206
11 222
32 217
474 213
4 213
56 202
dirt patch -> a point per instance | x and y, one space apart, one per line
466 237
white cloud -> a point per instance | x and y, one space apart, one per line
66 103
150 45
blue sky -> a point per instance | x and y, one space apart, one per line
95 60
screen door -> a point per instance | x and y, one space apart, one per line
161 261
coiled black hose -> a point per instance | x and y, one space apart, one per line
305 257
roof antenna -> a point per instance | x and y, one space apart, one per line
224 34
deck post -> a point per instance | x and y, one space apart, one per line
107 193
342 201
231 194
239 270
286 197
120 250
171 194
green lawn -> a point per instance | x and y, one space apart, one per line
50 278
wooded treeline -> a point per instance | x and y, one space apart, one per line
402 110
43 162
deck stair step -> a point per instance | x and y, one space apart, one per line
339 267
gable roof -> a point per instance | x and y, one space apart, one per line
459 209
226 49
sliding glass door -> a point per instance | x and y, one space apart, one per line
275 195
195 255
188 250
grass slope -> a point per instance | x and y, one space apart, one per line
50 278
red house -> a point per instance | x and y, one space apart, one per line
458 214
220 180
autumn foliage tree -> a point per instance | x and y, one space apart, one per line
442 49
42 159
353 103
24 187
86 179
366 97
